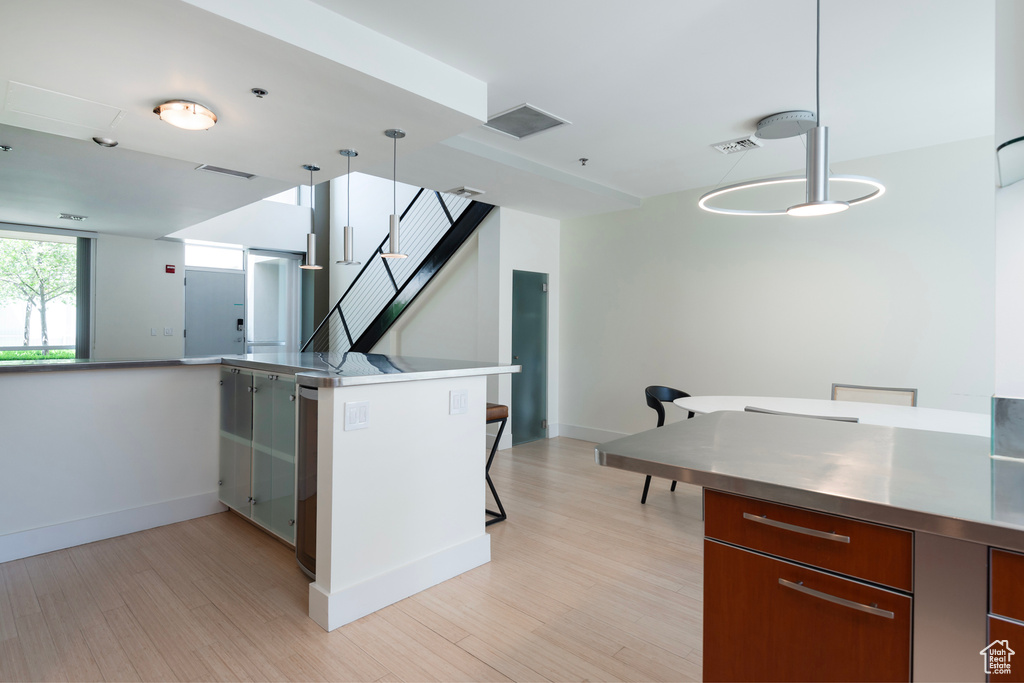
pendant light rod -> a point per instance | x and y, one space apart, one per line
394 226
817 65
311 237
349 258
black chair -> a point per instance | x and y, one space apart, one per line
495 413
656 396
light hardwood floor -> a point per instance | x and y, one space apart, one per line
584 584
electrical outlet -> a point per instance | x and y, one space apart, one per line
168 332
357 415
458 402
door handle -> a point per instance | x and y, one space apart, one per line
515 357
870 609
827 535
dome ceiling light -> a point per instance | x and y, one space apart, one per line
185 114
817 179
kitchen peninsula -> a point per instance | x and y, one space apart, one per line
99 449
832 548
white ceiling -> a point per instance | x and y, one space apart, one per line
647 84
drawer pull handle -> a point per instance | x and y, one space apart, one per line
870 609
828 535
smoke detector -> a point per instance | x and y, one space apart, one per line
467 192
738 145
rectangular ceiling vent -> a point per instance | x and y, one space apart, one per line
225 171
467 192
73 217
738 145
523 121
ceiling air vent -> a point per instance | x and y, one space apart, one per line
523 121
225 171
72 217
738 145
467 192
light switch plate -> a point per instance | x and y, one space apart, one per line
458 402
357 415
152 332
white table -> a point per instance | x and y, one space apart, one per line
929 419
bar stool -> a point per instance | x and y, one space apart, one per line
495 413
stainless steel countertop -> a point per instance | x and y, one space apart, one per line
353 369
310 369
62 364
945 484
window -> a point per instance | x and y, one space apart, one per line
220 256
40 295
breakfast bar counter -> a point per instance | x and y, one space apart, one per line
878 536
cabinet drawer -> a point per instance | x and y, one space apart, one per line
867 551
1014 633
1007 594
770 620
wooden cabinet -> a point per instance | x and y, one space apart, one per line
867 551
1006 610
768 616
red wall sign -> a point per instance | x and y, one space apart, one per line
169 269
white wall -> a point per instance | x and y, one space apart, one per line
466 311
529 242
1010 291
897 292
260 225
134 294
90 454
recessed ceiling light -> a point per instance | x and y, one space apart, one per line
105 142
72 217
260 92
186 114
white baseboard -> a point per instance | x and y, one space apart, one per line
77 532
354 602
588 433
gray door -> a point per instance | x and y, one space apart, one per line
214 313
529 349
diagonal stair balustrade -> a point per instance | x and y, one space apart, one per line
434 226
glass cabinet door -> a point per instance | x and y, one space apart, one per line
236 439
273 440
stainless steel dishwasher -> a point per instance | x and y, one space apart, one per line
305 488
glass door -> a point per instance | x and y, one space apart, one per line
272 297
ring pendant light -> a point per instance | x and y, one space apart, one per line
393 250
310 263
817 178
349 260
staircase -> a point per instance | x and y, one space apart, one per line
434 226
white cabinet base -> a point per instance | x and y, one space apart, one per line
348 604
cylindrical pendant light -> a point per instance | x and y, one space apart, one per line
310 263
349 259
818 203
393 248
